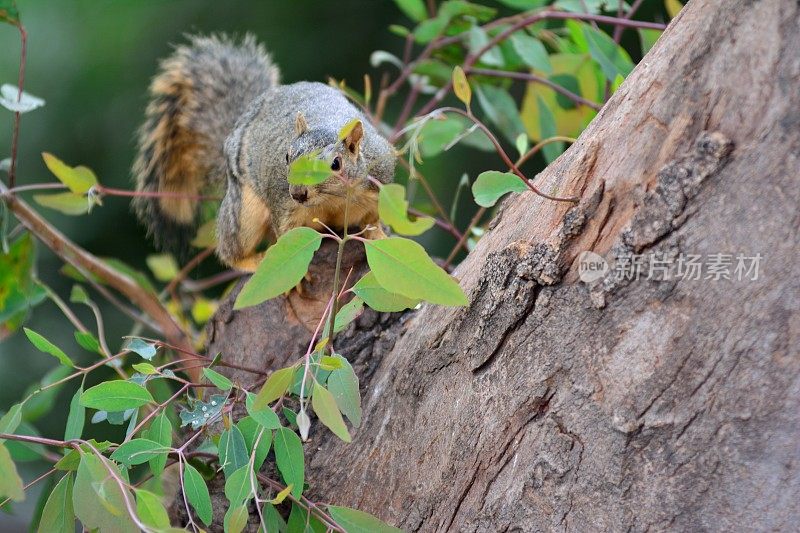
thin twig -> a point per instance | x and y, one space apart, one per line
23 38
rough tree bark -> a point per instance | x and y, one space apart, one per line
642 404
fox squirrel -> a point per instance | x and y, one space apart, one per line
219 120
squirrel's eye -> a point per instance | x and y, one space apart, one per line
337 164
287 159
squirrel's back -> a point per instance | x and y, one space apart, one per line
202 89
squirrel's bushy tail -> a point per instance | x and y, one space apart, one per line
196 99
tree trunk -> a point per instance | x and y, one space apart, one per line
550 403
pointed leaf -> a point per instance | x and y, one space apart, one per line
220 381
150 509
354 521
343 385
278 499
284 265
88 342
197 493
532 52
76 417
116 396
378 298
253 432
393 210
10 482
347 314
138 451
160 431
403 266
289 457
274 387
11 420
48 347
77 179
328 412
232 451
239 485
264 416
58 515
235 519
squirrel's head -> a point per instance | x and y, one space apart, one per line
342 153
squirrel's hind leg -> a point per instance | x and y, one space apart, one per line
243 223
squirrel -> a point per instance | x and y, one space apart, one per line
219 120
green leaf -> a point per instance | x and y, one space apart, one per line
72 459
378 298
250 431
78 295
150 509
9 12
146 350
343 385
97 498
220 381
77 179
68 203
160 431
235 519
44 345
232 451
502 111
138 451
239 485
289 457
274 521
88 342
477 40
58 515
284 265
393 210
532 52
300 521
328 412
354 521
11 420
10 482
347 314
413 9
265 416
145 368
330 363
309 169
521 144
115 396
76 417
403 266
612 58
197 493
41 402
274 387
491 185
547 124
461 86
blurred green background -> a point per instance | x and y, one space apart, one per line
91 60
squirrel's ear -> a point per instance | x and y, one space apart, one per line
300 124
353 139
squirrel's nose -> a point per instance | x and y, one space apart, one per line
300 196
